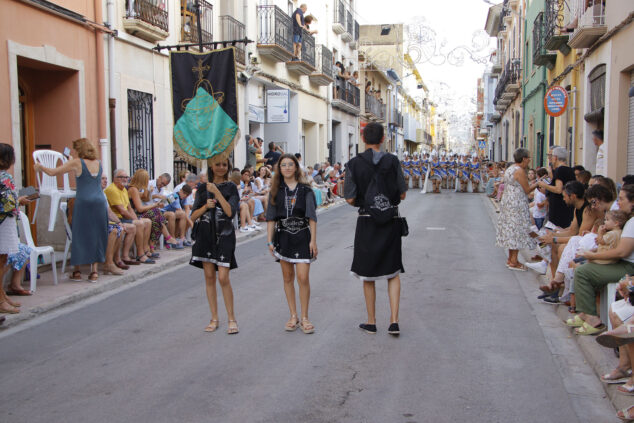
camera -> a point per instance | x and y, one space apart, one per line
630 292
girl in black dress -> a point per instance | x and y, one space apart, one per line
292 235
215 240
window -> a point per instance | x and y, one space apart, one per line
141 131
597 88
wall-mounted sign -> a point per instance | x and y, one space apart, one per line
256 114
277 105
482 144
556 101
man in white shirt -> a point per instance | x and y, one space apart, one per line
597 138
158 187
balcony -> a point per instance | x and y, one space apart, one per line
189 27
324 73
496 67
232 29
541 56
147 20
397 119
347 97
339 20
495 117
590 24
374 109
348 35
503 28
354 44
306 63
555 36
508 85
275 34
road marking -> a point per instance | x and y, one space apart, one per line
433 228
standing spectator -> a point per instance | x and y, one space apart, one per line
307 21
119 201
292 236
298 156
252 149
377 247
259 158
215 239
273 155
9 211
514 223
597 138
90 218
298 25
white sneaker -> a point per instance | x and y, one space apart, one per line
255 224
540 267
246 229
255 227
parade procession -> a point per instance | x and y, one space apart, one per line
460 173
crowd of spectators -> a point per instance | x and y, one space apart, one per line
579 229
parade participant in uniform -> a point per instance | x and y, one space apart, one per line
405 167
214 244
415 169
424 164
292 235
451 171
434 173
476 178
377 247
464 173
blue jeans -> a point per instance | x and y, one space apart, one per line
297 39
539 222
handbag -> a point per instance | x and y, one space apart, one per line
404 225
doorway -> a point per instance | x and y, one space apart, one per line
28 146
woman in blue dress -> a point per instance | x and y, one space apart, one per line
90 217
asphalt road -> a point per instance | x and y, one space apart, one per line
470 349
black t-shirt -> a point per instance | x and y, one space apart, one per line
297 30
272 157
558 212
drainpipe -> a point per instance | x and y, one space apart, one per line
101 90
329 89
573 145
112 102
245 16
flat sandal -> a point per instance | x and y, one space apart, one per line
233 331
212 326
305 322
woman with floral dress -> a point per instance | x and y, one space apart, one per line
514 223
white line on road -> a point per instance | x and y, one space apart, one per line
433 228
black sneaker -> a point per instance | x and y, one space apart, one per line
394 329
371 329
544 295
552 299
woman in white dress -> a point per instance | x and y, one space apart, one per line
514 222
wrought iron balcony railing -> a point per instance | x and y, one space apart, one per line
324 61
308 48
541 56
233 29
588 23
347 92
275 28
189 25
149 12
510 76
339 19
555 35
374 106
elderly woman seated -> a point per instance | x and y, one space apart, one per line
246 207
325 186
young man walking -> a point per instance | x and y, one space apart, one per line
377 246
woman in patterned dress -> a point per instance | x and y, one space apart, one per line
514 223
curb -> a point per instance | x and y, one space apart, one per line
13 320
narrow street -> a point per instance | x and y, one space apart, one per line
470 350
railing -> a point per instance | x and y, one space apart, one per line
592 15
347 92
340 13
555 16
308 48
510 75
232 29
506 11
356 31
148 12
275 27
538 36
397 118
374 106
189 25
324 61
349 23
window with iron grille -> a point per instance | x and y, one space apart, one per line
141 131
597 88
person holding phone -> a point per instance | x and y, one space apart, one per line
90 218
214 244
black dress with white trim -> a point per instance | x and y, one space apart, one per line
214 235
292 211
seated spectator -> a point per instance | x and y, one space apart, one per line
578 169
122 231
324 186
628 179
583 176
158 187
246 190
119 201
591 277
262 183
176 203
246 206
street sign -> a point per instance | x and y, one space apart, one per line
482 144
556 101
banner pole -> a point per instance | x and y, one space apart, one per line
199 28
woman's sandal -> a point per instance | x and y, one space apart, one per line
575 322
7 308
290 327
586 329
212 326
616 376
93 276
553 287
75 276
519 267
626 414
626 389
306 326
112 269
232 330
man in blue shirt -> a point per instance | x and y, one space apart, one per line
298 25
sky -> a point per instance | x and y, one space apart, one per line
454 23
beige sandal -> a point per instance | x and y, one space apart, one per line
232 330
212 326
306 326
290 327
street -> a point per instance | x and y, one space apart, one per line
470 347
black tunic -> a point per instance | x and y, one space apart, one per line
377 248
292 211
213 234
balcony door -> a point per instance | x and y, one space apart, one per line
141 131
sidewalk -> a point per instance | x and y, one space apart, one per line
602 360
49 297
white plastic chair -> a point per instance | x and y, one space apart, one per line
48 184
36 252
63 206
608 295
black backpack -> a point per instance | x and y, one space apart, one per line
378 198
